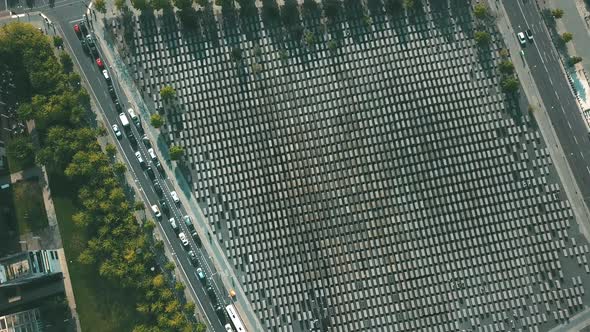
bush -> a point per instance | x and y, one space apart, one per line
66 62
100 5
557 13
509 84
480 11
167 92
482 38
567 37
20 153
156 120
506 67
176 152
58 41
574 59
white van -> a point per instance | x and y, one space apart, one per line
152 154
173 223
156 211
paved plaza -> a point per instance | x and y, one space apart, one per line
387 185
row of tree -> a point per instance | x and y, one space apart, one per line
119 248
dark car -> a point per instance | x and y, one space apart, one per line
150 173
139 128
164 207
221 314
112 93
158 189
84 46
118 106
197 239
83 28
146 141
211 294
193 258
160 168
132 140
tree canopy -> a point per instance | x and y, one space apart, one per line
167 92
176 152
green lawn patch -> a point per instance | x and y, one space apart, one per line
29 207
101 306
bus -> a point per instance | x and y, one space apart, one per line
235 318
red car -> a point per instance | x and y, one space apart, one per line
99 63
77 29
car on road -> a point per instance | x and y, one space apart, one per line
183 239
146 141
150 173
99 63
529 34
134 117
83 28
105 73
201 274
118 106
152 154
164 207
156 211
132 140
211 293
228 328
220 311
172 222
193 258
139 157
174 197
117 131
112 93
77 30
160 168
158 189
521 38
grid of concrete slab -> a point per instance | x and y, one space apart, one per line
389 186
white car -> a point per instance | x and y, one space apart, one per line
105 73
152 154
117 131
174 196
156 211
521 38
139 158
183 239
228 328
173 224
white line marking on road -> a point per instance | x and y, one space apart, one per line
575 139
568 124
588 169
581 154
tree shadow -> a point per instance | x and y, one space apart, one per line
209 25
148 27
128 24
440 13
230 27
169 31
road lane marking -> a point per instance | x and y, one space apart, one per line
569 125
588 169
582 155
575 139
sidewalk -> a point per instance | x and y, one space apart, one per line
530 89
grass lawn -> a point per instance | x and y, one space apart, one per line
29 207
102 306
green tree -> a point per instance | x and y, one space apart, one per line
567 37
156 120
506 67
141 5
110 150
120 4
167 92
100 5
509 84
149 225
159 245
160 4
179 286
138 206
409 4
557 13
504 53
58 41
183 4
189 308
331 8
176 152
309 38
119 168
480 11
66 62
201 327
20 152
574 59
169 266
158 281
482 38
394 7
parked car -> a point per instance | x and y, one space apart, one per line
146 141
183 239
158 189
117 131
77 30
105 73
99 63
529 34
174 197
112 93
118 106
172 222
160 168
201 274
132 140
150 173
156 211
228 328
193 258
521 38
152 154
139 157
164 207
83 28
211 293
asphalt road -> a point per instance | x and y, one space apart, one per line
64 17
543 63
